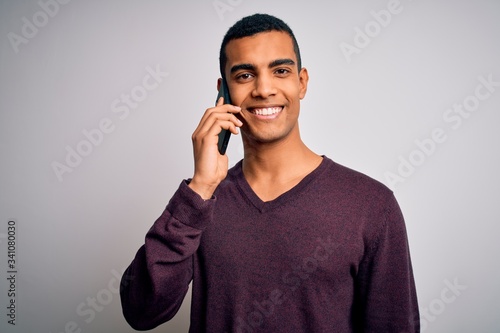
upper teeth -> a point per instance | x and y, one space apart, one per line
267 111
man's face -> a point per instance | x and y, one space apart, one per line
264 80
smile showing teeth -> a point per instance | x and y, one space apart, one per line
267 111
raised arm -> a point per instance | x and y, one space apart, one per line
157 280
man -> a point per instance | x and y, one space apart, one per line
286 240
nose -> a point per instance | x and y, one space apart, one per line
264 86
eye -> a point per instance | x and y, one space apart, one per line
282 71
244 77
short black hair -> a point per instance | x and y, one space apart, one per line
252 25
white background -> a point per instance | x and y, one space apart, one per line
76 232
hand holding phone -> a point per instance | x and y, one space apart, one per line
210 163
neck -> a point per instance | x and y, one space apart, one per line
285 161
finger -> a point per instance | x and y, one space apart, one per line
220 108
213 126
220 125
213 117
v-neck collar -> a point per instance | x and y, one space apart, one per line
264 206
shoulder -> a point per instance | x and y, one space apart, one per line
351 182
356 195
364 201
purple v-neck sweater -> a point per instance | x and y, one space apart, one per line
330 255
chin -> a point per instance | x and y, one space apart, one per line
265 137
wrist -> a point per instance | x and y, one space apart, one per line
205 191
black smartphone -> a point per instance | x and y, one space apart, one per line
224 134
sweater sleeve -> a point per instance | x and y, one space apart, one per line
156 282
386 296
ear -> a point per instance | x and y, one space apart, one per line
219 83
303 80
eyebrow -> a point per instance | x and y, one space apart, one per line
272 64
279 62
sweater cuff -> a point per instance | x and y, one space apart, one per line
190 208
